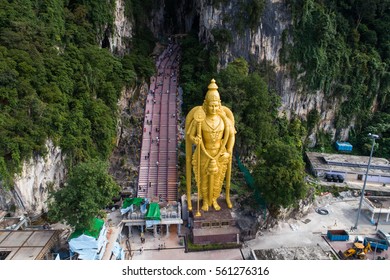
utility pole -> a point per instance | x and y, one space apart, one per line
373 137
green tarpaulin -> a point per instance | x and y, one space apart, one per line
130 201
94 231
153 212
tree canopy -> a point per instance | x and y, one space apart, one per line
279 175
88 190
57 81
253 105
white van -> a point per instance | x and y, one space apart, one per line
359 239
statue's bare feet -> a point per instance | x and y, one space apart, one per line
205 207
215 205
229 203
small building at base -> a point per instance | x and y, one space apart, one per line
377 206
352 167
27 244
157 216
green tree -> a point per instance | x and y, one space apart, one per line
89 189
279 175
253 105
378 123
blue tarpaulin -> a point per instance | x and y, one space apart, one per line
343 146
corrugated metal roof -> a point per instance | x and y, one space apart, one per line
27 244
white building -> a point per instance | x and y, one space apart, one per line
353 168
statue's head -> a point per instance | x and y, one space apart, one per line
212 101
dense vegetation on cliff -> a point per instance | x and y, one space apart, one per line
57 82
343 49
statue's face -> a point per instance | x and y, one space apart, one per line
212 107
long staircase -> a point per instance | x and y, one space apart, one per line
158 162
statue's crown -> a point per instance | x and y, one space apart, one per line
212 93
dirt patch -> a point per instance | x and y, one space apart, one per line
297 253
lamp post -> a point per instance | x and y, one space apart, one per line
373 137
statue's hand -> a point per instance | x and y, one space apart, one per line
197 139
225 156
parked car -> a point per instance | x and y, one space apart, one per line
328 177
335 178
359 239
383 235
340 178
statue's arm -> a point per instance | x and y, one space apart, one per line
231 140
231 131
193 133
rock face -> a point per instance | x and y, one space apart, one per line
173 17
32 185
263 44
124 160
122 32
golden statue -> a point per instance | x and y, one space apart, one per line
211 128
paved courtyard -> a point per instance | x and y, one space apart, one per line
304 233
308 231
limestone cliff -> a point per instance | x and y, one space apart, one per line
31 188
263 44
125 157
173 17
122 31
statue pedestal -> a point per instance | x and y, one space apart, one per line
214 226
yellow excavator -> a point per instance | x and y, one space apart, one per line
358 251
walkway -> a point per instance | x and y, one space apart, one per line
158 164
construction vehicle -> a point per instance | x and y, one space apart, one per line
357 251
363 254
